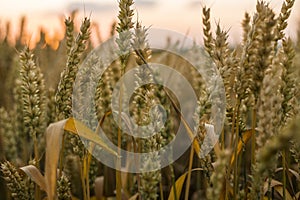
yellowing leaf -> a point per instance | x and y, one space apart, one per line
246 136
187 127
179 184
191 135
80 129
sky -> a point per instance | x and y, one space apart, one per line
183 16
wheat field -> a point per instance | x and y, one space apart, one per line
50 141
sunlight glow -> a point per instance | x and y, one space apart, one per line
177 15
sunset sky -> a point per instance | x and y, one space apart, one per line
183 16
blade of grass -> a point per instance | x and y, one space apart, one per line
80 129
245 138
179 184
196 145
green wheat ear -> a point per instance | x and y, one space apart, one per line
8 133
32 94
69 33
285 13
269 107
33 101
208 39
63 97
290 105
15 183
218 176
63 188
123 28
144 98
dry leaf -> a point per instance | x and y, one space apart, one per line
278 186
291 171
54 135
35 175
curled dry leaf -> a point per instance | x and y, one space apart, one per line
34 173
277 186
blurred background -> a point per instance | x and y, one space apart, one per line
183 16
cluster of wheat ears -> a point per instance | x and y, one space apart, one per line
257 156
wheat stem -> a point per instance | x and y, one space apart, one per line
284 174
235 151
253 139
188 181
